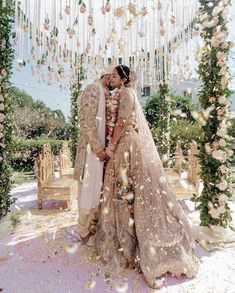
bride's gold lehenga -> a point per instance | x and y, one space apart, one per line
141 223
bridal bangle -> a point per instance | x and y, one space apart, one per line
110 149
109 152
111 146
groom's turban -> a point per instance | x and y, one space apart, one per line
107 70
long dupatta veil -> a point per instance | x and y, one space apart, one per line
171 225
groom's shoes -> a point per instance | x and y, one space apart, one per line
79 238
90 242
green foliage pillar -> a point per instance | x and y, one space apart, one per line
74 127
6 127
215 152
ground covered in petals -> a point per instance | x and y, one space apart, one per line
39 252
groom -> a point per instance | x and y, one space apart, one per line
90 156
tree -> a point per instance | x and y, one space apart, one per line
33 119
178 104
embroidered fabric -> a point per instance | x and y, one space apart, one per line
150 232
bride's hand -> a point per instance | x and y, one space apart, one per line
109 153
107 157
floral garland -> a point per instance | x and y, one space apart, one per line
74 126
112 105
215 149
6 127
163 133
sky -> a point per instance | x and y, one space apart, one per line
55 98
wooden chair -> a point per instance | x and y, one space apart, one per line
175 172
65 162
184 188
52 188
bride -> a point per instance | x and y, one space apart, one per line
141 224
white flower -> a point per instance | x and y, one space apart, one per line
168 99
222 185
222 199
2 117
223 169
222 62
1 135
222 142
233 195
225 3
223 70
221 34
217 10
222 100
224 45
219 38
203 16
208 148
219 155
2 107
222 58
4 73
1 98
227 104
210 4
220 117
210 205
221 209
210 24
224 81
230 153
215 213
222 132
215 42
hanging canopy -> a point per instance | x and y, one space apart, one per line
60 38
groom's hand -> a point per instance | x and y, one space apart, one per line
101 155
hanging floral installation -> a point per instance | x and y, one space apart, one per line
6 121
54 35
215 149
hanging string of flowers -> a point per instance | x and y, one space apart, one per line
6 127
215 149
59 32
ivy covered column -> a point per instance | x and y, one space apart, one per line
74 127
163 134
215 149
6 145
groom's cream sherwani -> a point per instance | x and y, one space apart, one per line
88 104
88 168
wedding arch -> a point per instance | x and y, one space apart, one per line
69 42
